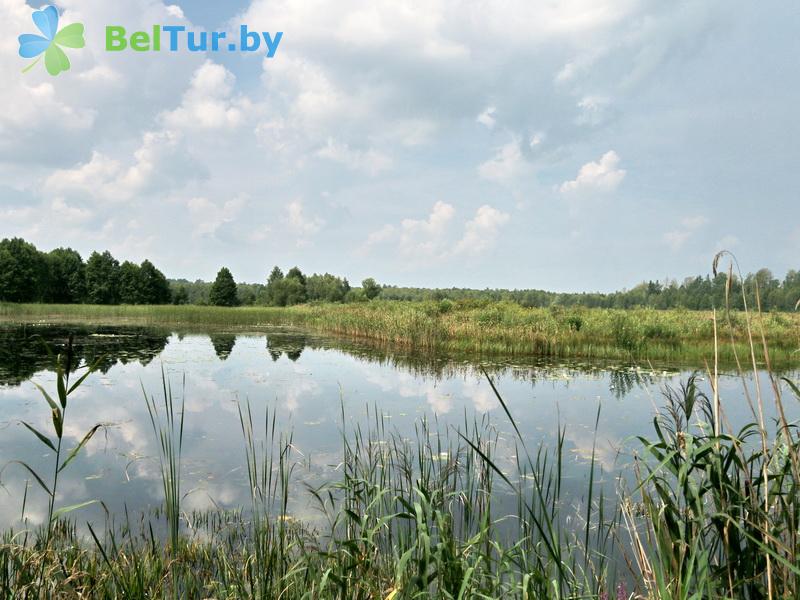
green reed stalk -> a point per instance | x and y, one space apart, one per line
169 435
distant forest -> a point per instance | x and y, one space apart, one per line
62 276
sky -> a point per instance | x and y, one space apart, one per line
577 145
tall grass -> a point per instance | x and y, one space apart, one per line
63 365
169 433
478 328
442 514
269 470
720 508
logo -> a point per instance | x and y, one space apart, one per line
178 38
50 42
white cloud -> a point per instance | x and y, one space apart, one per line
593 110
97 177
487 117
677 238
432 239
207 104
390 89
70 214
727 242
481 232
156 161
694 222
384 234
370 161
426 238
173 10
483 399
300 223
57 120
600 176
506 164
207 216
409 132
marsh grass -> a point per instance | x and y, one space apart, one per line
719 509
442 514
63 366
477 328
169 433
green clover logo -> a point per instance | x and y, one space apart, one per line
31 45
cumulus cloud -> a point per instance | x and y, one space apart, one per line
208 103
57 120
487 117
677 238
370 161
426 237
434 238
600 176
593 110
390 90
300 222
208 216
157 161
506 164
727 242
481 231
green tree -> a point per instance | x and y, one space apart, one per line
356 295
67 277
327 288
370 288
223 291
181 295
154 285
102 278
130 284
294 285
23 271
275 290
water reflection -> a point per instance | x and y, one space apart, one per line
23 348
23 352
290 344
223 344
310 381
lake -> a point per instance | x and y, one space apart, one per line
310 381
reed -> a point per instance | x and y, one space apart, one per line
169 433
718 509
480 329
63 366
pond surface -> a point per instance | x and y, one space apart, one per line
309 381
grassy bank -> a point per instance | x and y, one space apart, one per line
477 328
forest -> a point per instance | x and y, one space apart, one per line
61 276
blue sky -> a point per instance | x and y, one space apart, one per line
578 145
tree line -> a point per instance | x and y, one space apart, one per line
694 293
62 276
293 287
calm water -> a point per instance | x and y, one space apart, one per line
308 380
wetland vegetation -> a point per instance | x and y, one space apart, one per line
488 503
479 328
710 510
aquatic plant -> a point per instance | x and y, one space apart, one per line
63 367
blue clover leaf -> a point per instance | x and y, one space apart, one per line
50 42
